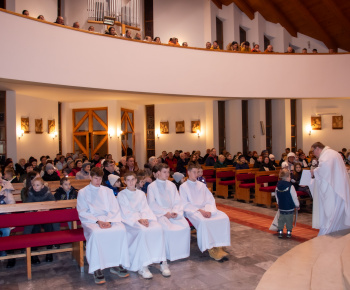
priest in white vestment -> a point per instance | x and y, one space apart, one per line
331 191
106 239
164 200
212 225
145 234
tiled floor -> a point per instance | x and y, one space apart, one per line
251 254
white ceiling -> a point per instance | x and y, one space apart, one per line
76 94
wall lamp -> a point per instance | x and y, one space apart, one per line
119 133
157 133
54 135
20 134
309 129
111 132
198 133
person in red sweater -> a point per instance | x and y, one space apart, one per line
171 161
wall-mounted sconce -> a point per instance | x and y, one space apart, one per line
309 129
54 135
157 133
198 133
119 133
20 134
111 132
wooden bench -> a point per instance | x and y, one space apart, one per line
17 215
243 186
222 185
209 175
263 193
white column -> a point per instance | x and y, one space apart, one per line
256 114
281 126
13 123
233 124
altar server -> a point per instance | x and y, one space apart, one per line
164 200
331 191
106 240
212 225
145 234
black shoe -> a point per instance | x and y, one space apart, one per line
280 234
11 263
289 234
49 258
35 260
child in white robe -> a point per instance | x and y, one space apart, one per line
212 225
164 200
106 238
145 234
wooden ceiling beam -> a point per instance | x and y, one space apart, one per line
245 8
325 37
338 14
217 3
282 19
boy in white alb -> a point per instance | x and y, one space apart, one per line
144 233
106 239
212 225
164 200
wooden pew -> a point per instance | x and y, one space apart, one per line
18 215
263 193
209 175
242 186
222 185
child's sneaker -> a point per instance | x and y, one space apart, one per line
289 234
280 234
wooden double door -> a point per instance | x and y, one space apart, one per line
90 131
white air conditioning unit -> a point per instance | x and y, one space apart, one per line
327 111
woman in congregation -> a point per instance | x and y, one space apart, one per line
267 165
84 173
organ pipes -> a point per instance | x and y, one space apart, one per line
126 12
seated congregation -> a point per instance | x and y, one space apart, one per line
145 215
233 46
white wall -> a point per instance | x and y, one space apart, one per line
48 8
183 112
290 76
182 18
336 139
33 144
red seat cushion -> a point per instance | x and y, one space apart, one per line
266 178
245 176
210 179
268 188
41 239
302 193
247 185
208 172
227 182
224 174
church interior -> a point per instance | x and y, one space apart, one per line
67 88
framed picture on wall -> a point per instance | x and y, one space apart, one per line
51 126
316 123
180 127
164 127
337 122
25 125
195 126
39 126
